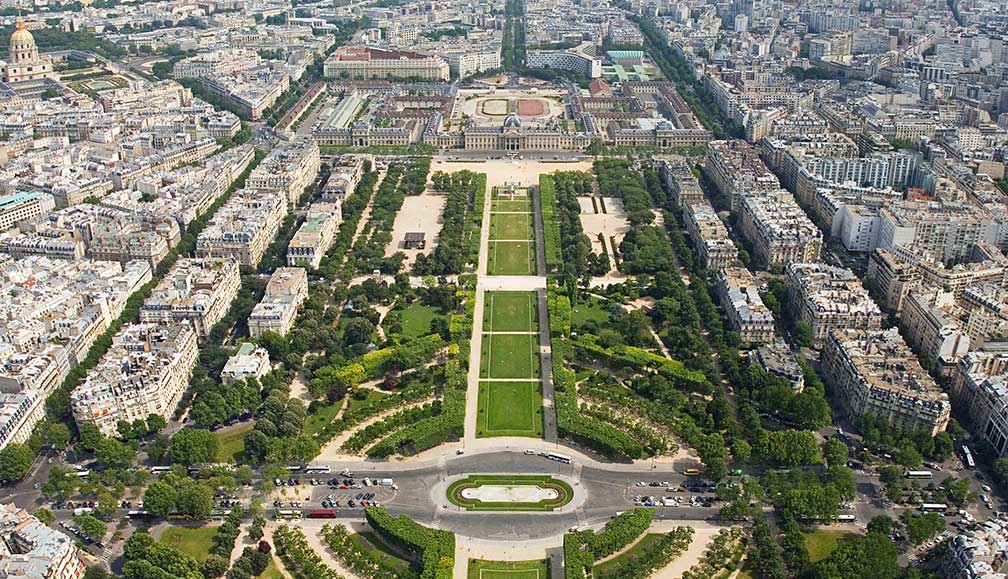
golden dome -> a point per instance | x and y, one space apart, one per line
21 33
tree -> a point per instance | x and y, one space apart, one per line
802 334
214 566
160 498
115 453
45 515
91 526
155 422
873 556
883 524
195 501
834 452
90 436
193 445
358 331
920 528
97 572
15 460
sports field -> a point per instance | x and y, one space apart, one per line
480 569
510 409
510 356
510 312
511 258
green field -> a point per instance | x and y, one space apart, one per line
615 567
416 319
510 226
510 409
821 544
511 258
370 543
510 312
510 356
517 205
231 443
592 310
195 542
480 569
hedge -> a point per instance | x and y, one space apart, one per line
582 548
551 228
435 547
638 358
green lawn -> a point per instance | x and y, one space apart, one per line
416 319
592 310
821 544
510 409
320 417
614 567
517 205
510 226
272 572
511 258
372 396
480 569
510 312
509 356
232 442
195 542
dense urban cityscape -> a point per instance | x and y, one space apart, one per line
515 289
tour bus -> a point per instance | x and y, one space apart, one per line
558 457
160 469
288 514
919 474
317 469
322 514
934 508
968 457
846 518
138 514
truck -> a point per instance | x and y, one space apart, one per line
385 482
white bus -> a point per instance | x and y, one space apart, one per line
318 469
82 473
288 514
160 469
968 457
559 457
919 474
846 518
934 508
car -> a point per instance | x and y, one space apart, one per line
654 484
691 472
530 452
641 484
735 472
460 451
986 488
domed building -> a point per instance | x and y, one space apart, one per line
24 61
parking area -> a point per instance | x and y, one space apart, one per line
689 493
343 492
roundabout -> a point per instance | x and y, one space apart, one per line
510 493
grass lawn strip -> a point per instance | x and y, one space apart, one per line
821 544
510 409
564 492
511 226
231 444
511 258
509 356
510 312
482 569
504 206
193 541
371 543
613 567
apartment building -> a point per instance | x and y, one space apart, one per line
250 361
778 229
931 323
198 291
289 169
316 235
709 236
364 63
777 359
873 371
946 231
741 302
30 549
980 391
891 278
286 291
18 207
680 181
244 227
343 179
736 168
827 298
979 553
144 372
20 411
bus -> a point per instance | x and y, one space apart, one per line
919 474
160 469
968 457
934 508
288 514
138 514
82 473
293 467
317 469
846 518
558 457
322 514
